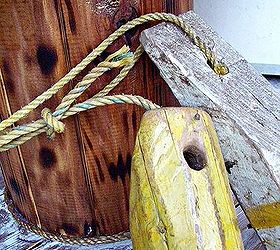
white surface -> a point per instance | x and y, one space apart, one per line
252 27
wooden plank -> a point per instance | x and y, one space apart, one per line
12 237
251 240
244 107
32 58
11 162
180 196
108 133
40 41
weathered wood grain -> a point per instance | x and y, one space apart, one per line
19 41
108 134
48 177
180 196
245 109
78 183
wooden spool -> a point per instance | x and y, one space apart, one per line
76 184
180 196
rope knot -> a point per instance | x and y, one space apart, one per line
53 124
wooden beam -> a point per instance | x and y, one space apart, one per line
244 107
180 196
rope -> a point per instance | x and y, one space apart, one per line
51 122
84 241
97 51
23 133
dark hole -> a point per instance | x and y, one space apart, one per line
46 58
249 226
195 158
15 186
88 229
47 157
229 165
70 229
121 22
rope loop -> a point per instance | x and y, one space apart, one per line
218 67
53 124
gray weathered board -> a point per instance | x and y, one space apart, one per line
244 106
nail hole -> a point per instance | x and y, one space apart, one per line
195 158
249 226
229 165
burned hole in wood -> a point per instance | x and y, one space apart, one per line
113 172
47 157
121 168
128 35
46 58
195 158
70 229
90 229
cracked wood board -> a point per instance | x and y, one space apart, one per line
244 107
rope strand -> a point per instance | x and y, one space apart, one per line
28 131
98 50
83 241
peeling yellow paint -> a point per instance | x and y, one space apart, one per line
264 216
173 206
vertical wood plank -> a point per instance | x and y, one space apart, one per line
14 171
33 51
78 183
108 133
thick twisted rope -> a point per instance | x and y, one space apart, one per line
97 51
22 133
53 124
31 130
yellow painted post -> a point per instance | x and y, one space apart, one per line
180 196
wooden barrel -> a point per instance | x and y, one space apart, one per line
78 183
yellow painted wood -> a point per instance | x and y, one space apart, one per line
264 216
173 206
